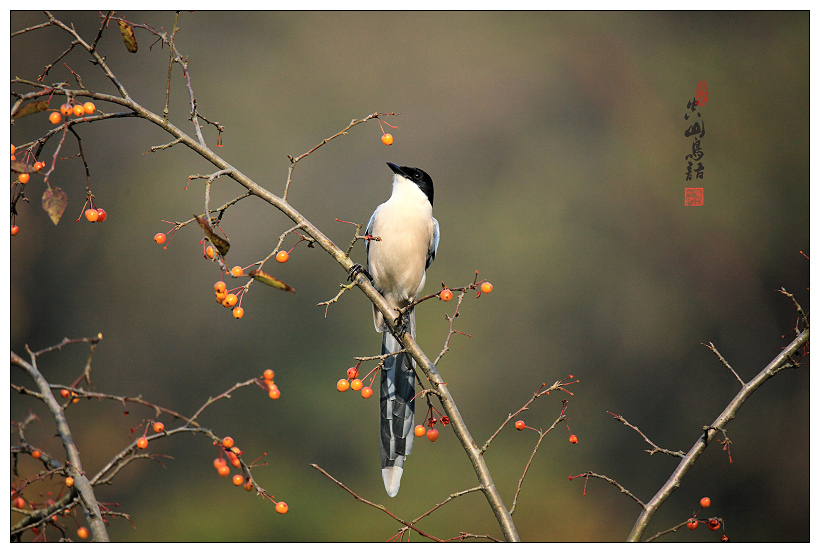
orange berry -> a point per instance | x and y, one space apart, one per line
23 177
282 256
142 443
573 439
159 238
268 374
209 252
446 294
387 139
221 296
356 385
91 214
274 393
248 486
101 215
238 312
713 524
223 470
227 441
89 107
78 110
230 300
520 425
65 393
342 385
432 434
352 372
66 109
233 459
238 480
219 462
82 533
281 507
13 157
69 482
19 502
14 230
236 271
705 502
219 286
419 431
692 524
36 454
13 149
55 118
486 287
159 427
39 165
367 391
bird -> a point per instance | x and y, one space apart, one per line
404 238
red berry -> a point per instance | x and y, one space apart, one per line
159 238
486 287
142 443
281 507
419 431
101 215
713 524
14 230
352 372
342 385
367 391
227 442
432 434
65 393
219 462
268 374
91 214
36 454
55 118
282 256
248 486
238 480
705 502
387 139
159 427
692 524
573 439
520 425
725 538
446 294
19 502
82 533
274 393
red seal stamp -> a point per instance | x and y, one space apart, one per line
693 196
701 93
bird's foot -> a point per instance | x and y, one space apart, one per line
356 269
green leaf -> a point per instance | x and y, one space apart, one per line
221 244
54 203
265 278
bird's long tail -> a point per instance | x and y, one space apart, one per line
398 388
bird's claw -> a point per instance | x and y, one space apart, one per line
356 269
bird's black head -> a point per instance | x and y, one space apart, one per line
417 176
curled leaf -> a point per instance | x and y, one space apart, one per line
221 244
21 167
265 278
31 107
128 36
54 203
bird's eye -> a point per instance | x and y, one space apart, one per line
418 176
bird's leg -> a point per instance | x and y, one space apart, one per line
356 269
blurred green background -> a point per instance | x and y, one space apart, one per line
556 143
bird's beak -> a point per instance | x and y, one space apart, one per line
396 169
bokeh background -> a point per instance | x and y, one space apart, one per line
556 143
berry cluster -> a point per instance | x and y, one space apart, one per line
72 108
22 179
273 389
713 523
432 433
353 382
